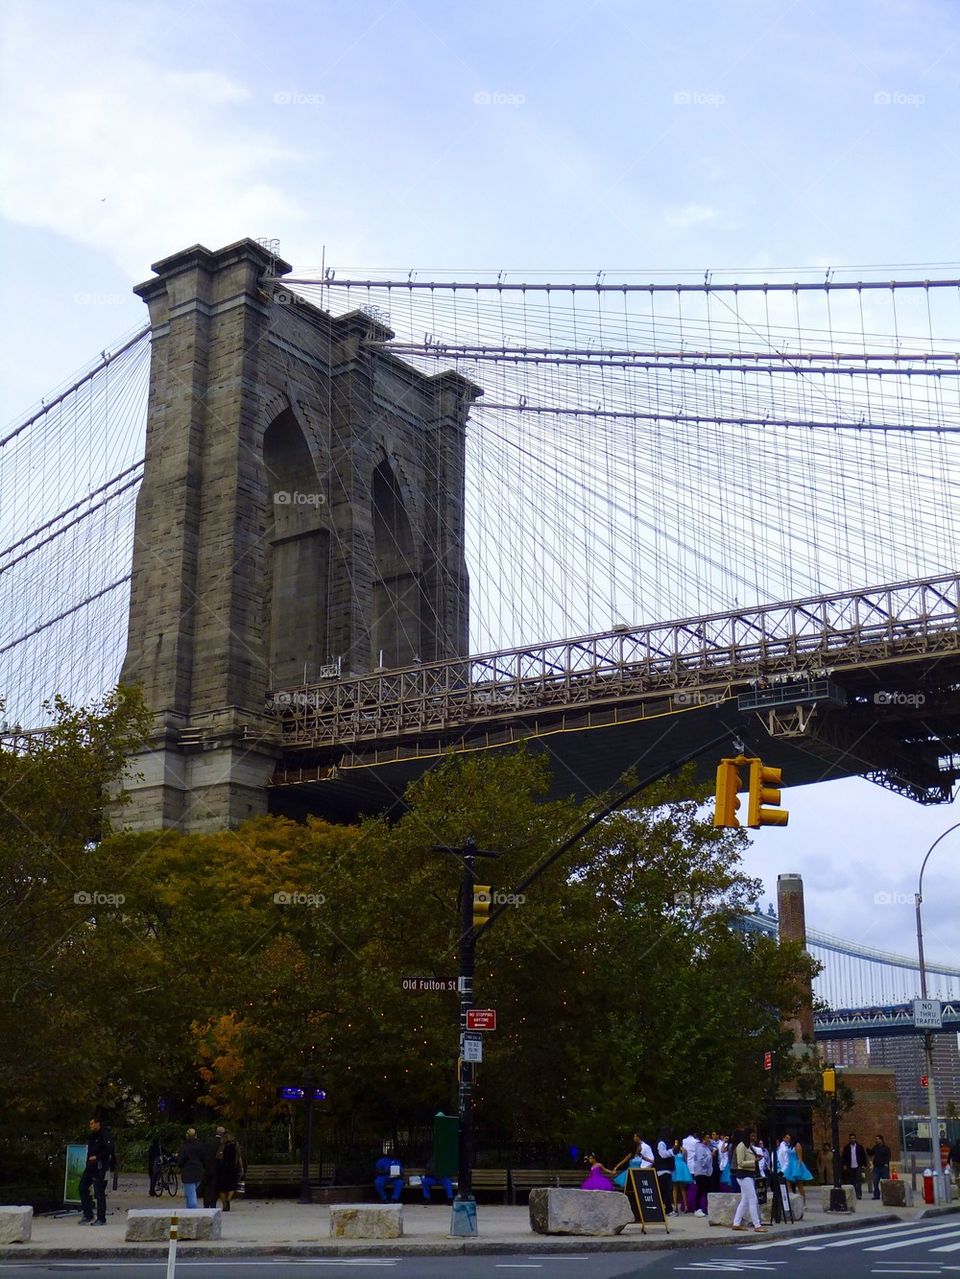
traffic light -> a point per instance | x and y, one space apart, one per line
728 783
481 904
830 1080
765 791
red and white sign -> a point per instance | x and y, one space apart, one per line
481 1019
768 1061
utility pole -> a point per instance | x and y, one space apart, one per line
464 1216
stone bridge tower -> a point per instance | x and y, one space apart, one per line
302 504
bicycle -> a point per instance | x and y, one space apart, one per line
167 1176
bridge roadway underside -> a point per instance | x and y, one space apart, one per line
591 749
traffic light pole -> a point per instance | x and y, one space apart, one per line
838 1197
465 989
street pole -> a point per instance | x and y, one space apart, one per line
941 1192
309 1086
838 1198
463 1219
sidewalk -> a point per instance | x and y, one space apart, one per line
283 1227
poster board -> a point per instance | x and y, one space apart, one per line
74 1166
761 1185
643 1192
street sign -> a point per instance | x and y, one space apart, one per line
927 1014
471 1047
431 984
768 1061
297 1094
481 1019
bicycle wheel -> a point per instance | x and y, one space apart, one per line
173 1181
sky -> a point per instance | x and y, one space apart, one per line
571 135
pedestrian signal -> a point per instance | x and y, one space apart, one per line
728 784
481 904
764 795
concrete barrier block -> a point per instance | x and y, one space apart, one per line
16 1223
561 1211
366 1221
151 1224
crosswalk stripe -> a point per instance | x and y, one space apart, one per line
916 1240
838 1240
950 1247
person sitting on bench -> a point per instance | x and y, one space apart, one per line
430 1179
388 1173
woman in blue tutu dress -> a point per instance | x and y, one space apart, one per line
797 1172
682 1178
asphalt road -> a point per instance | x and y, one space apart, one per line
595 1265
907 1250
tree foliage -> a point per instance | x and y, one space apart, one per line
239 960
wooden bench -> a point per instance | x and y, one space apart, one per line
277 1176
410 1173
493 1179
526 1179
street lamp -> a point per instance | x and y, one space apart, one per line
939 1195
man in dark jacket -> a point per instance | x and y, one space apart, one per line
99 1154
193 1164
880 1154
853 1160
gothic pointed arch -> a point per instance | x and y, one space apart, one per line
397 603
298 559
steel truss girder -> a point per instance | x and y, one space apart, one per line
814 637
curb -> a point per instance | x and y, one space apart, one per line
451 1247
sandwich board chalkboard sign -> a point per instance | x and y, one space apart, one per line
643 1192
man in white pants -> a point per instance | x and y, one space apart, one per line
744 1168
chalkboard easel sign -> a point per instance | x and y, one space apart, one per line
643 1192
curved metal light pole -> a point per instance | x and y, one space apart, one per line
938 1188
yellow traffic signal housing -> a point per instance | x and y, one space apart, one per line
728 784
764 792
830 1080
481 904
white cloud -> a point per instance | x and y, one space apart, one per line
691 214
133 158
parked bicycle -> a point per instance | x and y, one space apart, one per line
167 1175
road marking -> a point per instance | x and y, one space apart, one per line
904 1236
851 1236
917 1239
948 1247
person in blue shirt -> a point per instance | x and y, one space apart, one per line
430 1179
385 1176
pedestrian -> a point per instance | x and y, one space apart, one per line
208 1187
853 1160
701 1165
193 1161
724 1181
798 1172
880 1158
598 1178
955 1161
230 1168
682 1178
784 1150
634 1159
154 1155
744 1166
99 1157
664 1165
